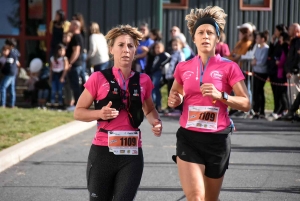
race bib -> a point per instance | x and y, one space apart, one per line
204 117
123 142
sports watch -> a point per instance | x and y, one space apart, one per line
224 95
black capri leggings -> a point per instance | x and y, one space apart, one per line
113 177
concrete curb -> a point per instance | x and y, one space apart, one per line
20 151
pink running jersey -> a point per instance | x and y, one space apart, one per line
99 87
219 71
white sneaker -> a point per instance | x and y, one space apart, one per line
71 108
275 116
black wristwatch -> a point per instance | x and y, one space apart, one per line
224 95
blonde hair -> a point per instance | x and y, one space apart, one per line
69 34
123 30
214 12
95 28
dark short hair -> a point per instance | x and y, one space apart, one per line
281 27
157 34
11 42
285 36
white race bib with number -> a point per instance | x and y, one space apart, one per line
123 142
204 117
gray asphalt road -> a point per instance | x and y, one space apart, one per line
264 166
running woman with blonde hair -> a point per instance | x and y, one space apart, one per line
121 98
203 140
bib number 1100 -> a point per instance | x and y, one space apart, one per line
128 141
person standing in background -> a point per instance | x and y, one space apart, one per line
98 52
156 36
176 57
275 53
160 60
175 31
68 95
222 48
79 17
143 48
9 70
57 28
242 46
73 53
259 64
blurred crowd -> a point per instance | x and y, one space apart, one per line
76 52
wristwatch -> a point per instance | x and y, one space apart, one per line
224 95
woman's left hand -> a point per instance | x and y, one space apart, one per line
157 127
210 90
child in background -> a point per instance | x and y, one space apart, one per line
160 60
43 88
58 70
29 93
176 57
9 70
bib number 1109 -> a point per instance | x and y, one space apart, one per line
208 116
128 141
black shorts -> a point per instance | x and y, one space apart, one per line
211 150
113 177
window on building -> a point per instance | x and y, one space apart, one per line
265 5
175 4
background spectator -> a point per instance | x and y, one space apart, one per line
57 28
175 31
143 48
176 57
9 70
79 17
156 36
98 52
186 49
242 46
275 76
73 53
260 75
58 70
42 87
222 48
160 60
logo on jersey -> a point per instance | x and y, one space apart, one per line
187 75
216 75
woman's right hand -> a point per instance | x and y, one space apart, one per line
174 99
107 112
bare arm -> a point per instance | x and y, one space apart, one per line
75 54
83 113
240 101
152 116
66 65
